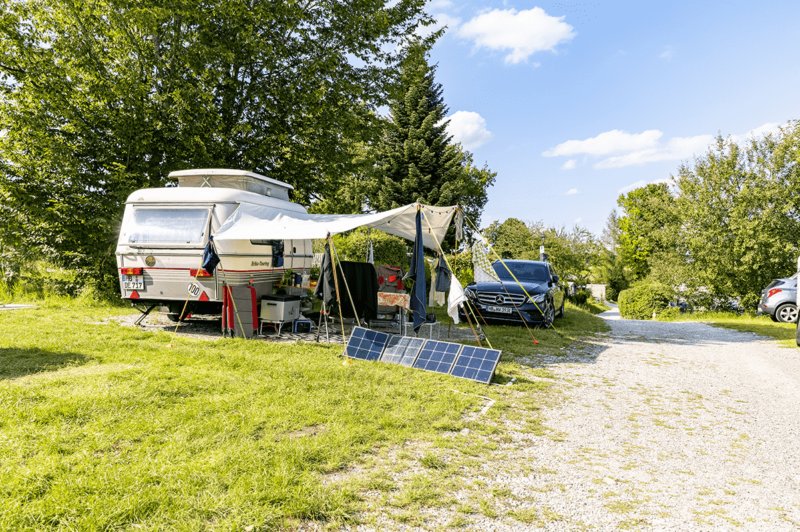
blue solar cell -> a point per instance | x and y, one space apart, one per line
395 349
365 344
411 352
402 350
476 363
437 356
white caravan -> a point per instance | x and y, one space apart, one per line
164 232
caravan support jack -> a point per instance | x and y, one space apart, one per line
141 318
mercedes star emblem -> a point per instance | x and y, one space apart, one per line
499 300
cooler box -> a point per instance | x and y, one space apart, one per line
280 309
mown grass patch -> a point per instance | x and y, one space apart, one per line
761 325
594 307
106 427
518 341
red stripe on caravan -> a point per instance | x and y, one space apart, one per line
231 323
254 306
224 309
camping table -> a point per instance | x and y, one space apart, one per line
392 299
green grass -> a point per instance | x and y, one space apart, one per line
761 325
106 427
595 307
517 340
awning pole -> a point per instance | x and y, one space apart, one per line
189 294
469 307
346 287
336 284
226 286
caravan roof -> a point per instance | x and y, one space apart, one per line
176 195
236 179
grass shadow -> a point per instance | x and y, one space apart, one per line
19 362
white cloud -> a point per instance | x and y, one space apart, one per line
643 148
522 32
578 220
675 149
642 183
446 20
440 4
668 52
632 186
469 129
442 20
569 165
761 131
605 143
572 191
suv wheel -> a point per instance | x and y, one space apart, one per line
787 313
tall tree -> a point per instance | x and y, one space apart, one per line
611 232
511 239
740 209
649 225
415 159
573 252
100 98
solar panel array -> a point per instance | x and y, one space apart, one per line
402 350
476 363
463 361
437 356
365 344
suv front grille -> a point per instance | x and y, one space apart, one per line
490 298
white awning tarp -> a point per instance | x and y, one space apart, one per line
254 222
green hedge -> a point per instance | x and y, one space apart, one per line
639 302
388 249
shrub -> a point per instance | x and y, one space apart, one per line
669 313
463 266
581 296
388 249
611 293
639 302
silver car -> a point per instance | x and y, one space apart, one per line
779 300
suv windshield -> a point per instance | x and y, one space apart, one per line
167 226
524 271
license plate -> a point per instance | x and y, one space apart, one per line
133 282
502 310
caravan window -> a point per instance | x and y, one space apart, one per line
167 226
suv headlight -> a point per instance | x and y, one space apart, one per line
470 293
538 298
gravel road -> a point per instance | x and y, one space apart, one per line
661 426
673 426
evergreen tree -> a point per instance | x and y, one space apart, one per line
415 160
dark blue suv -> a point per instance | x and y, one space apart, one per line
505 301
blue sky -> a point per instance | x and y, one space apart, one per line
570 103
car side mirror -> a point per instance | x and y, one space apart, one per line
555 278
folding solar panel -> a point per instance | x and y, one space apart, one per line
365 344
437 356
402 350
476 363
